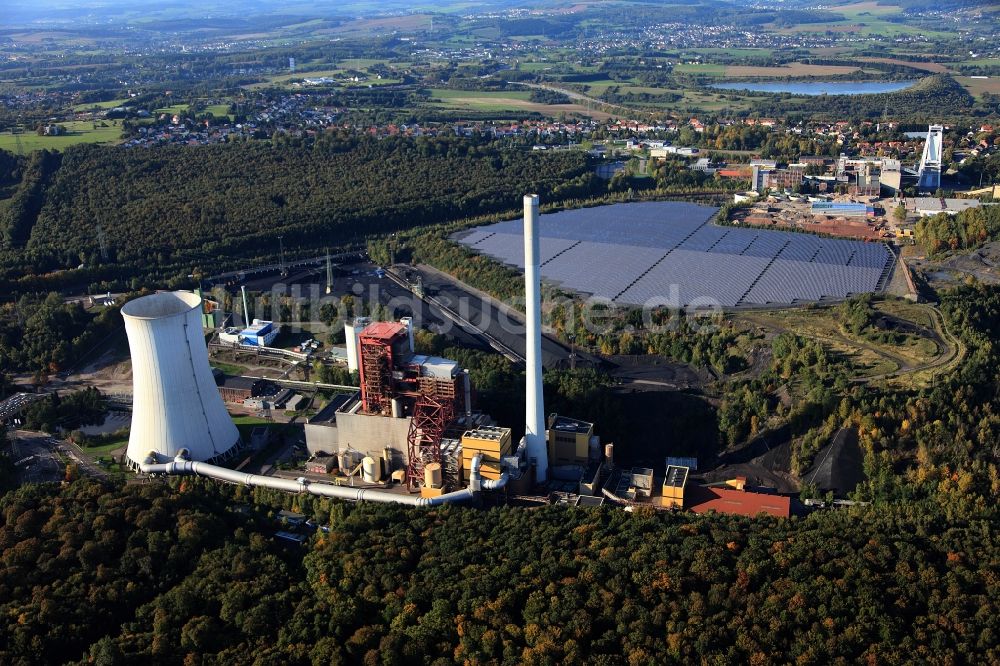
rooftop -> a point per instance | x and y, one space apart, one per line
566 424
246 383
488 432
383 330
328 415
676 476
702 499
258 326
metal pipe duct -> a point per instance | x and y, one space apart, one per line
534 415
180 466
176 404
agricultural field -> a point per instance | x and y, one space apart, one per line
934 67
471 100
82 131
977 87
100 105
748 71
700 69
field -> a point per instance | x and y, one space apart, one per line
977 87
471 100
82 131
742 71
218 110
100 105
176 108
935 67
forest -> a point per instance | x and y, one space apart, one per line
180 210
188 572
967 230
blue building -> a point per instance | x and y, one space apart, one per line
259 334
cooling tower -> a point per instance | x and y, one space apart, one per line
536 447
175 402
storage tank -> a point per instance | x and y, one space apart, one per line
387 460
609 452
371 471
397 408
175 402
432 475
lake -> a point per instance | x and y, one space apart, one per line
818 87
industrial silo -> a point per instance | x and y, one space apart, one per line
175 402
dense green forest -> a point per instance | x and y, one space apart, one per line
162 573
172 210
47 335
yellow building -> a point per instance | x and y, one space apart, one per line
568 440
673 486
492 442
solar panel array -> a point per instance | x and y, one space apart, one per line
666 253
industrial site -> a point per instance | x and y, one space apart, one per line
411 432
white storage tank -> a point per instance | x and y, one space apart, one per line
371 470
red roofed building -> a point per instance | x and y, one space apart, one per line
702 499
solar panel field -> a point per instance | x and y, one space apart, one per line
667 253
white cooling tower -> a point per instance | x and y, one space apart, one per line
536 447
175 402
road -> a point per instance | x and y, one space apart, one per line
580 97
42 457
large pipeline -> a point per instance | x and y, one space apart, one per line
180 466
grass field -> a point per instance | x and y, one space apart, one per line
702 69
733 53
106 449
82 131
176 108
507 100
100 105
218 110
229 368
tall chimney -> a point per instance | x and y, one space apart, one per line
534 414
246 310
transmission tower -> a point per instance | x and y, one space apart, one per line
103 242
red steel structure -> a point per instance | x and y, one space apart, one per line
430 418
380 345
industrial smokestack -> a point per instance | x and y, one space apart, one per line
534 413
246 310
175 402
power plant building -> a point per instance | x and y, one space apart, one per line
569 440
493 443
